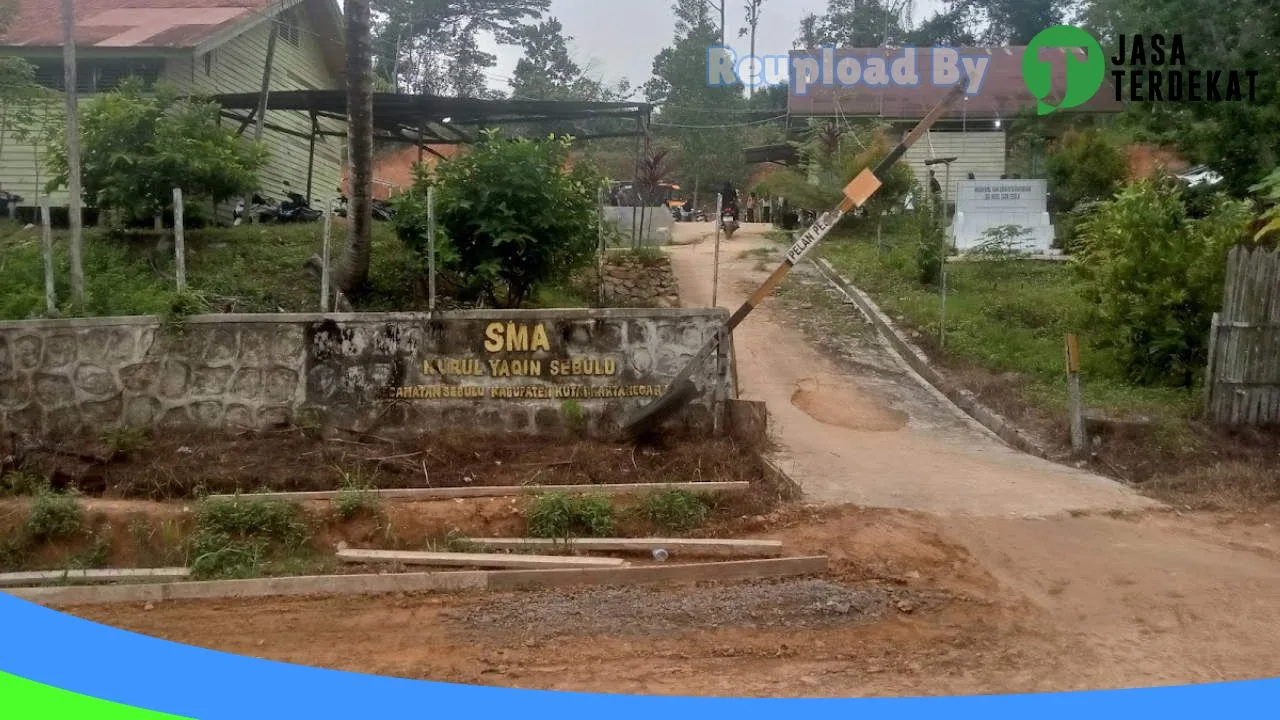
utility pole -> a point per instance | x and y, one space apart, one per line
73 152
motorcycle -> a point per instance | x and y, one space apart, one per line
296 208
729 221
261 207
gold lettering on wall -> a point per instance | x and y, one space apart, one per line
516 337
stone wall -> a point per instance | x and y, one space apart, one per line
632 281
517 371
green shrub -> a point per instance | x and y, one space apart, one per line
1084 167
556 515
514 215
931 248
53 516
1154 278
675 510
234 538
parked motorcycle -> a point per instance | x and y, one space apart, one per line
267 209
382 210
729 221
297 208
260 206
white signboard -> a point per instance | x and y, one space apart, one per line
985 204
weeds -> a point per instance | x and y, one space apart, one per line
236 538
574 415
21 482
556 515
356 496
143 535
675 510
454 541
125 441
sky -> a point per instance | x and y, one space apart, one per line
619 38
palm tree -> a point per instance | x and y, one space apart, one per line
353 272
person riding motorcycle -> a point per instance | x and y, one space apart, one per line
729 199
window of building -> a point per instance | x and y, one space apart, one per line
99 75
291 28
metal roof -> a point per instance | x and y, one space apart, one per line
1003 93
434 119
112 24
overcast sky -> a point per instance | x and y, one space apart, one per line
618 38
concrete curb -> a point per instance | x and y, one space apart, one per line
449 581
915 358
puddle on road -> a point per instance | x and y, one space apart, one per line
843 407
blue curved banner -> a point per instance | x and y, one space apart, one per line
43 651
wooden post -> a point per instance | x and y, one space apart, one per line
715 273
325 255
46 239
431 248
261 114
1079 442
179 241
311 152
600 249
1210 381
942 321
74 190
722 376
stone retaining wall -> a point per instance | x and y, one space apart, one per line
630 281
518 371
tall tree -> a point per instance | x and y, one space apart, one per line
855 23
432 46
1015 22
753 23
353 272
705 123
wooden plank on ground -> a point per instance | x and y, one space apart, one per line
645 574
20 579
493 560
265 587
501 491
688 546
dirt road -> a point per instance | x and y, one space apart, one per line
863 430
968 569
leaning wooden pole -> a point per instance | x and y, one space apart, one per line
856 194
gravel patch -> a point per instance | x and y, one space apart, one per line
801 603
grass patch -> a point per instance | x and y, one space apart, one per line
1006 316
241 538
644 255
248 269
675 510
557 515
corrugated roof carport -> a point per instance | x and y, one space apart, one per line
424 120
